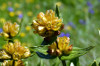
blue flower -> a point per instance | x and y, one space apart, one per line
82 22
1 30
72 24
20 16
10 9
89 4
91 11
63 34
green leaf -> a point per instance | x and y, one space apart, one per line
42 49
94 63
57 11
76 52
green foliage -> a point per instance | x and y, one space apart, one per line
76 52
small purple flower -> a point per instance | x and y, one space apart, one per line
63 34
10 9
72 24
82 22
20 16
91 11
89 4
1 30
67 35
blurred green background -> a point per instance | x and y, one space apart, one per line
81 19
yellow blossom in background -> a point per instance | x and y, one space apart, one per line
68 28
2 20
10 29
37 6
34 18
12 14
17 5
58 3
62 47
22 34
18 12
29 13
17 51
29 1
47 24
16 40
28 28
3 7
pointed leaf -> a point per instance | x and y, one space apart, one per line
57 11
76 52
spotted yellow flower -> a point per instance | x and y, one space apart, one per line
22 34
12 14
60 47
47 24
10 30
28 28
17 51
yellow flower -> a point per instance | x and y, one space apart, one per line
4 55
18 12
29 1
60 47
3 7
17 51
68 27
12 14
37 6
29 13
10 30
47 24
10 63
58 3
2 20
7 63
28 28
22 34
17 5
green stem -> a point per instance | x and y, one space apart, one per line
63 62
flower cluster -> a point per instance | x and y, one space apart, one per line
60 47
10 63
47 24
10 30
14 51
